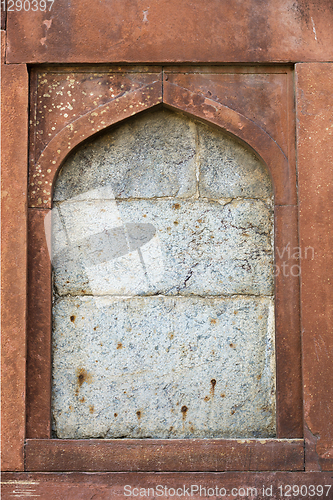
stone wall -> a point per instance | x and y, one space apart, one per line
163 315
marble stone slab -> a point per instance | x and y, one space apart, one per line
163 367
146 247
151 156
228 169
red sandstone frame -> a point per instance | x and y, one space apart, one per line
172 32
173 88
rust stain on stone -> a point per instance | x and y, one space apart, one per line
119 345
83 376
184 411
213 384
138 414
91 409
73 318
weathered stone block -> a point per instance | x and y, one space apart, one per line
163 367
143 247
151 156
228 169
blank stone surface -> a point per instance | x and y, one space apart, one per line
190 367
162 253
200 247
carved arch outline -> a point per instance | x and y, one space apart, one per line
194 104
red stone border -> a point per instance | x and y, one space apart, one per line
314 91
39 329
106 486
315 160
172 32
14 146
167 455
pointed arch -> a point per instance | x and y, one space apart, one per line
212 112
82 129
173 97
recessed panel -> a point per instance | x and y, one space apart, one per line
163 315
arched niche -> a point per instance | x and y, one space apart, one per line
163 285
132 103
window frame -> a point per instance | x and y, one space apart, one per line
286 452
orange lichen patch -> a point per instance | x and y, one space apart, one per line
232 345
119 345
213 321
73 318
176 206
91 409
206 398
82 400
138 414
